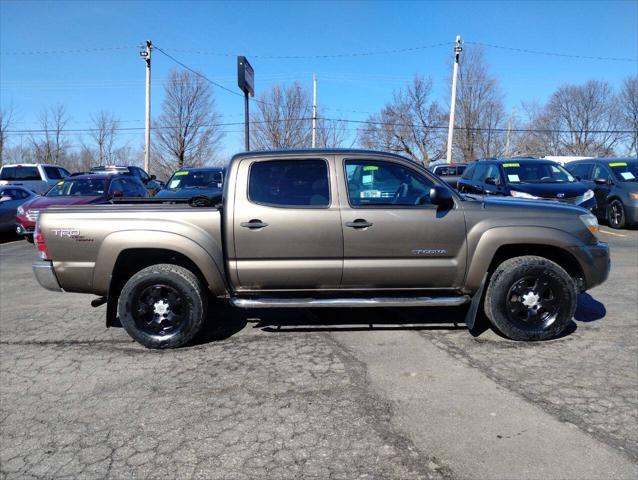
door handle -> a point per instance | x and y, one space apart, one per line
254 224
359 223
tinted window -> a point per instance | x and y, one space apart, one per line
600 172
581 170
196 179
536 172
53 173
625 171
20 173
380 183
481 171
289 183
469 171
79 188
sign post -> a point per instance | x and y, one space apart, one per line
246 82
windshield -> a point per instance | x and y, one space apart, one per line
195 179
525 172
625 171
78 188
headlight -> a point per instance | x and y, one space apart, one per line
587 195
634 195
590 221
514 193
21 211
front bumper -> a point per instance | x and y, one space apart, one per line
589 204
595 263
45 275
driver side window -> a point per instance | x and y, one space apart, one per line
381 183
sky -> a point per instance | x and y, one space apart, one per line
84 55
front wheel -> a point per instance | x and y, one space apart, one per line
163 306
530 298
616 214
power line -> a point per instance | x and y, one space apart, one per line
344 120
68 51
553 54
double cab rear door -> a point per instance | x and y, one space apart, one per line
330 222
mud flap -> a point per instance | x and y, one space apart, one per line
476 327
111 312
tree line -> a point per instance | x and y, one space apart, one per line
585 119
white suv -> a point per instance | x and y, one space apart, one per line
37 177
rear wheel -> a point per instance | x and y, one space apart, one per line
530 298
616 214
163 306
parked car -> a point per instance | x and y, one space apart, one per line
79 190
317 228
152 184
449 172
193 182
529 178
615 185
11 197
37 177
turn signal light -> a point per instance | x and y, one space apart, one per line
40 244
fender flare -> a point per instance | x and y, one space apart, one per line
209 260
490 241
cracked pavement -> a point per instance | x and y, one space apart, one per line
279 394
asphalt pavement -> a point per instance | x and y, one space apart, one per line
388 393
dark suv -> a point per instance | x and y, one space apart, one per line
615 185
529 178
150 181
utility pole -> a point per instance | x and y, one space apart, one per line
314 110
450 133
146 56
509 132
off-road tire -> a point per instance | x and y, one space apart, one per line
614 221
517 271
182 285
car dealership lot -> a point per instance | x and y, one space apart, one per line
325 394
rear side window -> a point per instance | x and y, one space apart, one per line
289 183
53 173
20 173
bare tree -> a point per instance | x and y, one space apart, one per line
51 146
331 133
187 130
629 111
6 120
282 119
580 120
410 124
103 136
479 106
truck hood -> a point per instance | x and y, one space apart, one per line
550 190
44 202
533 207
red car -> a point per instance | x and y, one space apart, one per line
78 190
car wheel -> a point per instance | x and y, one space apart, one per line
530 298
616 214
163 306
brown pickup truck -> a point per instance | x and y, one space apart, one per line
325 228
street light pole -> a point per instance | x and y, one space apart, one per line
450 132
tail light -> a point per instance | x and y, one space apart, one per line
40 244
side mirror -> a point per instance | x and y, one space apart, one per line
153 177
441 196
492 181
5 198
117 193
600 181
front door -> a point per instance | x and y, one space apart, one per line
393 237
287 225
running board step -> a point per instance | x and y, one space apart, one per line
350 302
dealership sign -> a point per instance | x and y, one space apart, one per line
245 76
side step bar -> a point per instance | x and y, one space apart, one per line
350 302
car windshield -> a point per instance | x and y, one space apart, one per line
625 171
529 172
87 187
196 179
